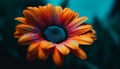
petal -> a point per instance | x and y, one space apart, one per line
32 51
80 53
32 18
58 10
83 27
76 22
46 45
64 15
23 28
36 12
67 16
84 40
29 38
63 49
21 19
48 14
72 44
17 34
76 15
33 47
42 54
57 57
92 35
80 30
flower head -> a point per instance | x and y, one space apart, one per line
53 30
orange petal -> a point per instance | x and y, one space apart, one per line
33 47
63 49
76 22
46 45
28 38
76 15
17 34
47 13
72 44
32 18
23 28
80 30
50 9
57 57
42 54
67 16
32 51
64 14
80 53
58 10
82 19
85 40
21 19
64 11
36 13
92 35
51 13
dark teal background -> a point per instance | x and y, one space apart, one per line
104 53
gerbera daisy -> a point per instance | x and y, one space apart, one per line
53 30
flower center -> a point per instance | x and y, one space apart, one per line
55 34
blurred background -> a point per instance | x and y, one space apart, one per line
104 53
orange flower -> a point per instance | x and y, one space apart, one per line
53 30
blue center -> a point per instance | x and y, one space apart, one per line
55 34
